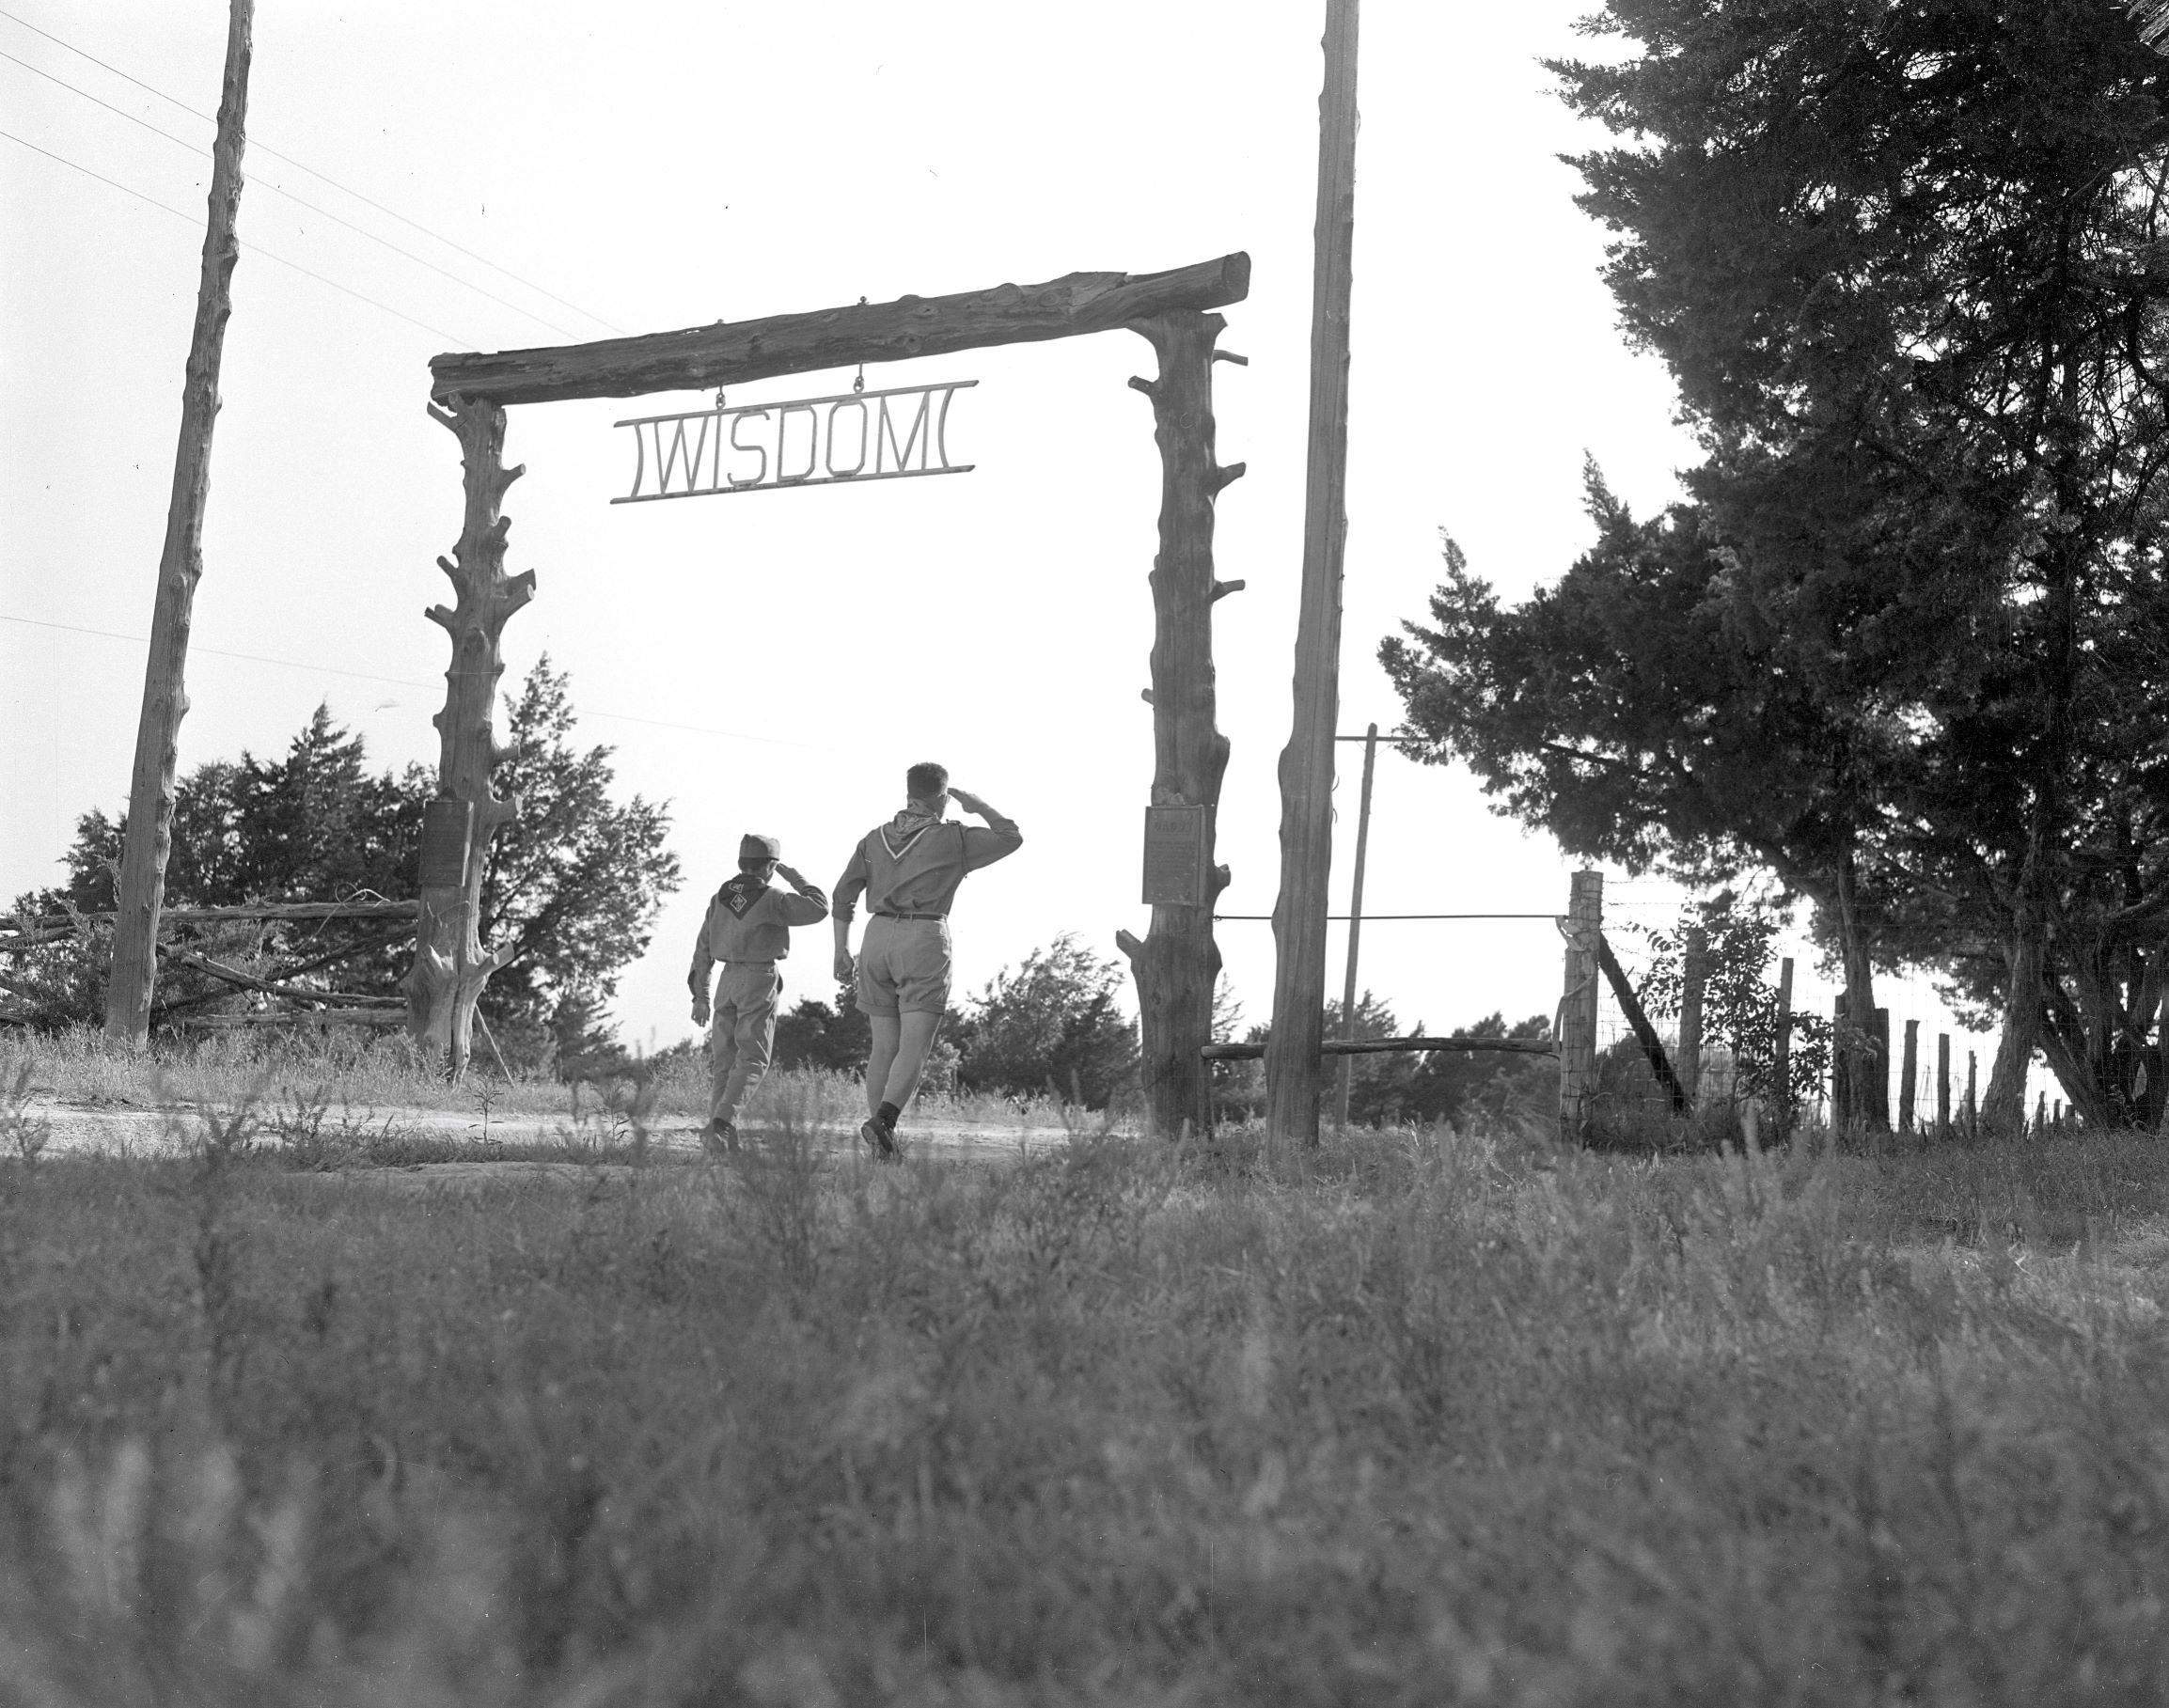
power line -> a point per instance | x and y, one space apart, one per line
277 190
405 682
253 248
303 166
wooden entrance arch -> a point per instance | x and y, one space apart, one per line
1177 963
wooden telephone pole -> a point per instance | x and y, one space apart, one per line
1293 1073
150 835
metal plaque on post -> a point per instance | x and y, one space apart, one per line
445 827
1175 856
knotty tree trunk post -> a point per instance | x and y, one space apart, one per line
134 970
1178 964
451 966
1694 975
1972 1096
1585 932
1292 1059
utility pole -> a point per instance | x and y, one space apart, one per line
150 837
1356 920
1292 1052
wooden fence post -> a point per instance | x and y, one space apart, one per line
1780 1056
1578 1002
1694 973
1355 922
1840 1069
1908 1074
1875 1097
149 838
1942 1085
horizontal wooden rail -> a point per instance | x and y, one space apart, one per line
296 1018
701 358
272 987
46 927
1384 1046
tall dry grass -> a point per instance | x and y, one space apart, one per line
1437 1419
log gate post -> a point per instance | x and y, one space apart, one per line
1178 964
451 968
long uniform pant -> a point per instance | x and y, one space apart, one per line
743 1034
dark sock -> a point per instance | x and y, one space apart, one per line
886 1115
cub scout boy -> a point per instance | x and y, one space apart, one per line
908 871
747 929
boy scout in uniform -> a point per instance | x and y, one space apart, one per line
909 870
748 929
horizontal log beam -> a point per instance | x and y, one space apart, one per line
1388 1046
701 358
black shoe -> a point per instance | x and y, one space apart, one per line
719 1136
880 1139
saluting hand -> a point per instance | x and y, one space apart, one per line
965 799
791 873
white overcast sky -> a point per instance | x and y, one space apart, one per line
775 664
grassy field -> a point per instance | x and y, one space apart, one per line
1435 1419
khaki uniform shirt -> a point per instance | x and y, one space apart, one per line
751 920
912 864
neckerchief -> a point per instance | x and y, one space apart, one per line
905 828
741 892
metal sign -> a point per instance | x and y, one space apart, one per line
1175 856
758 447
448 827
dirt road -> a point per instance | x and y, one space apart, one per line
169 1131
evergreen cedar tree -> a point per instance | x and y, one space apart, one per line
1900 648
577 882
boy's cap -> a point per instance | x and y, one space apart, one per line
760 848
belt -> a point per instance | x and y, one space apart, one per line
879 915
750 963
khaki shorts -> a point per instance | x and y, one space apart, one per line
904 967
